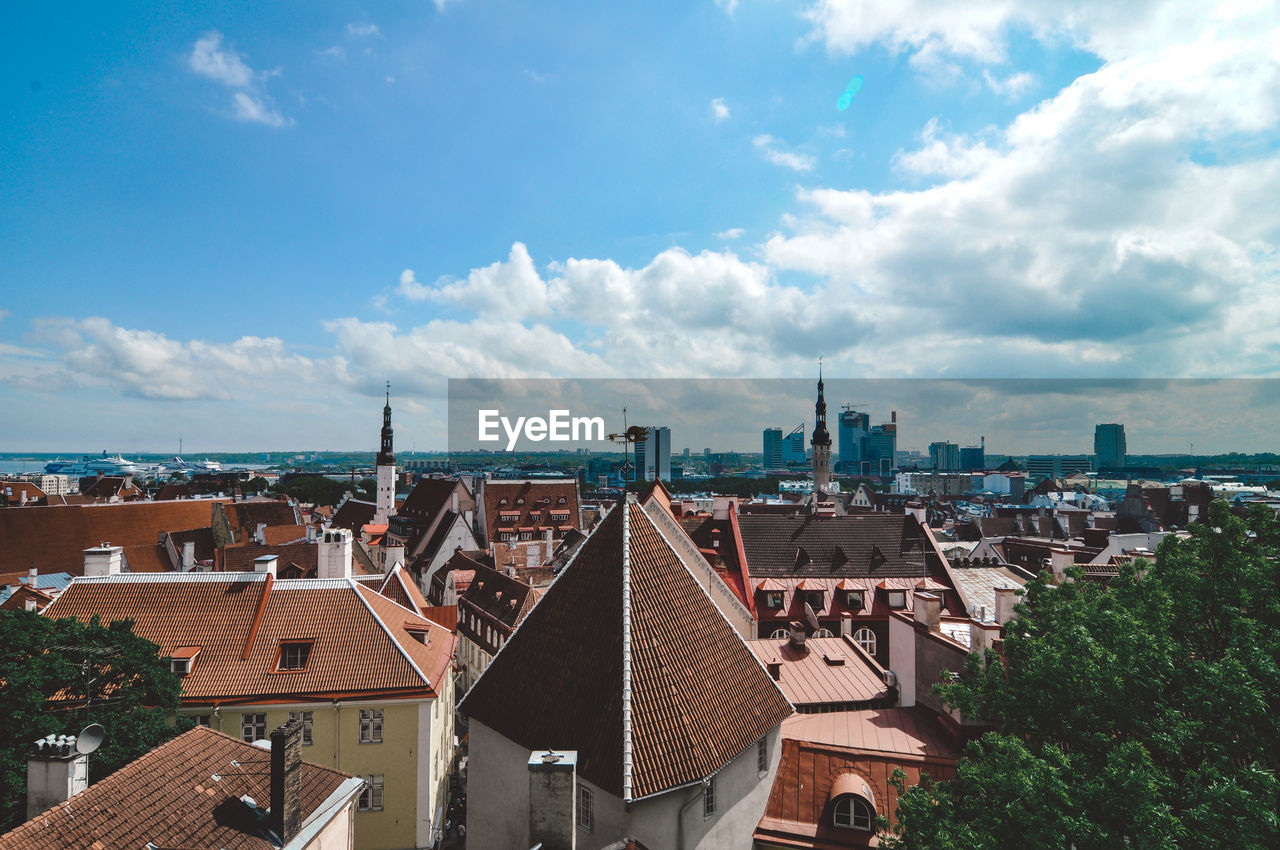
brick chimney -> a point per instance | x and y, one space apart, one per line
928 609
553 799
1006 597
286 780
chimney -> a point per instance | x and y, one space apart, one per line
927 607
311 533
286 780
775 669
266 564
455 500
188 555
846 624
797 635
56 772
104 560
261 534
1006 597
553 799
1059 561
715 538
334 556
33 576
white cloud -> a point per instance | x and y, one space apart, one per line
209 59
729 6
719 111
535 76
247 107
768 147
1013 86
362 30
945 155
731 233
250 102
334 52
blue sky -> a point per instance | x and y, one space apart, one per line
236 223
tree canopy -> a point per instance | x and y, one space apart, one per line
58 676
1144 713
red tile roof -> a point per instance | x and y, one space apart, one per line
830 671
240 619
56 537
185 793
698 696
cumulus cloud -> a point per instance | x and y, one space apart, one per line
719 111
335 52
1013 86
250 101
770 148
362 30
731 233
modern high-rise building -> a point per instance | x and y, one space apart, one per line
772 448
1108 445
653 456
851 433
1056 466
944 456
974 458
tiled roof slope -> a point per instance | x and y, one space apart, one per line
502 597
698 696
428 496
169 798
879 545
56 537
240 619
353 515
239 559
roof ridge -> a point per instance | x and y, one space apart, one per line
357 587
627 764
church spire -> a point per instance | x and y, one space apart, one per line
386 456
821 443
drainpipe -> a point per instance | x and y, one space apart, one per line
698 792
337 732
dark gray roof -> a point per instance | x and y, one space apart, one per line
862 545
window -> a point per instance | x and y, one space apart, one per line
201 719
853 813
293 656
780 633
253 727
180 666
709 798
853 600
866 639
586 814
305 717
371 795
814 599
773 599
371 727
897 599
823 633
762 757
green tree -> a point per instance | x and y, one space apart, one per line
1140 714
58 676
316 489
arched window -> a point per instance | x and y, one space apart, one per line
780 633
866 639
823 633
852 812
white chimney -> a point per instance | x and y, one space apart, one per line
266 564
927 609
1059 561
1006 597
56 772
188 555
455 500
33 576
553 799
261 534
846 624
104 560
311 533
334 555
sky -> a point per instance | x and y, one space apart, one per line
232 224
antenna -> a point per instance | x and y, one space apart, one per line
90 738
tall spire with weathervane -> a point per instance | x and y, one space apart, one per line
386 501
821 443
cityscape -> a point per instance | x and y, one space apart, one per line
706 425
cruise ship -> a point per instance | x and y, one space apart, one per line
89 465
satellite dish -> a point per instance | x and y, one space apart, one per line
90 738
811 616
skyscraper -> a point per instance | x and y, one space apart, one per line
1108 445
852 433
772 448
653 456
944 456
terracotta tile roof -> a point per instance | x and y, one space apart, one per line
698 696
202 537
400 587
504 599
244 517
239 559
445 615
171 798
110 486
18 492
277 535
240 619
830 671
56 537
506 496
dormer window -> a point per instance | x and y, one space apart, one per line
853 600
853 812
561 502
182 660
519 501
293 656
773 599
418 633
897 599
814 599
501 502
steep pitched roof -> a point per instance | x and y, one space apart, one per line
56 537
880 545
353 515
628 661
362 642
525 497
429 496
185 793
